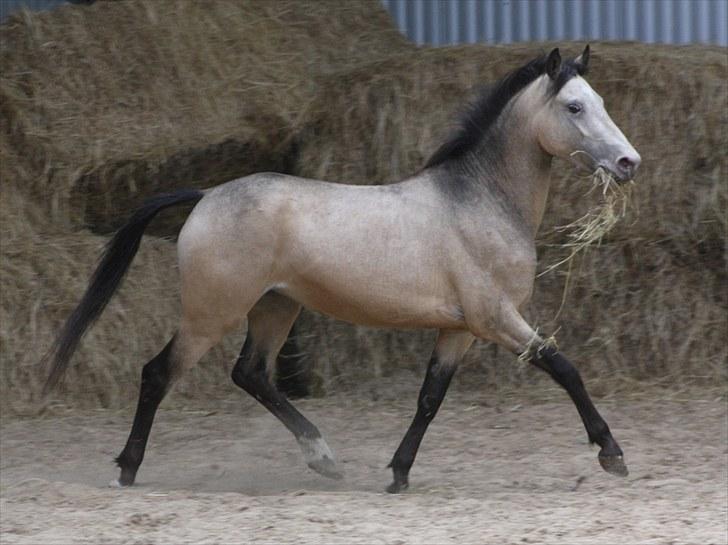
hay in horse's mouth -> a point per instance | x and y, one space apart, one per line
591 228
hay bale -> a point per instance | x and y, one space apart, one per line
115 101
179 94
670 101
44 271
93 121
43 274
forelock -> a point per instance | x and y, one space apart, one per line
569 69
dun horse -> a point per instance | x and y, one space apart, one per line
450 248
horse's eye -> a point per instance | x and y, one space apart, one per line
574 108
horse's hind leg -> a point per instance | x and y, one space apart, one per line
293 375
450 348
269 322
157 378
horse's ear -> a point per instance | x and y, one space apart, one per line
582 61
553 63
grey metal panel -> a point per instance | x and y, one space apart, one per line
440 22
10 6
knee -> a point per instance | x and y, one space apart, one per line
558 366
426 405
566 370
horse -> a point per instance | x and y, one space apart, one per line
450 248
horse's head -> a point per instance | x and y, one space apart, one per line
573 123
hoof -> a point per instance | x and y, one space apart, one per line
397 487
326 467
614 465
319 457
125 480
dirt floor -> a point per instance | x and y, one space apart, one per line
513 470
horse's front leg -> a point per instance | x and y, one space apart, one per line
562 371
449 350
513 332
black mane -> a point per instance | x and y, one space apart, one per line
482 114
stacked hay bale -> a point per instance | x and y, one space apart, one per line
119 100
43 270
103 105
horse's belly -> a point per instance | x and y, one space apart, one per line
390 308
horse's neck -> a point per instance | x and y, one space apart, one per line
526 178
520 168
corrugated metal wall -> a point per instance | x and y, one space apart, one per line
441 22
9 6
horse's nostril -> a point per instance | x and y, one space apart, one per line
626 163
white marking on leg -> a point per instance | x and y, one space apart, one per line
319 457
315 450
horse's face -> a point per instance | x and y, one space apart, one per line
573 124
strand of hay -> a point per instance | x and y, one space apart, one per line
535 345
591 228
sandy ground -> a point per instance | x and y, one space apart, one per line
513 471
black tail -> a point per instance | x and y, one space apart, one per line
107 277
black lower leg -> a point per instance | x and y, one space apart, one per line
430 398
293 371
250 373
566 375
155 383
